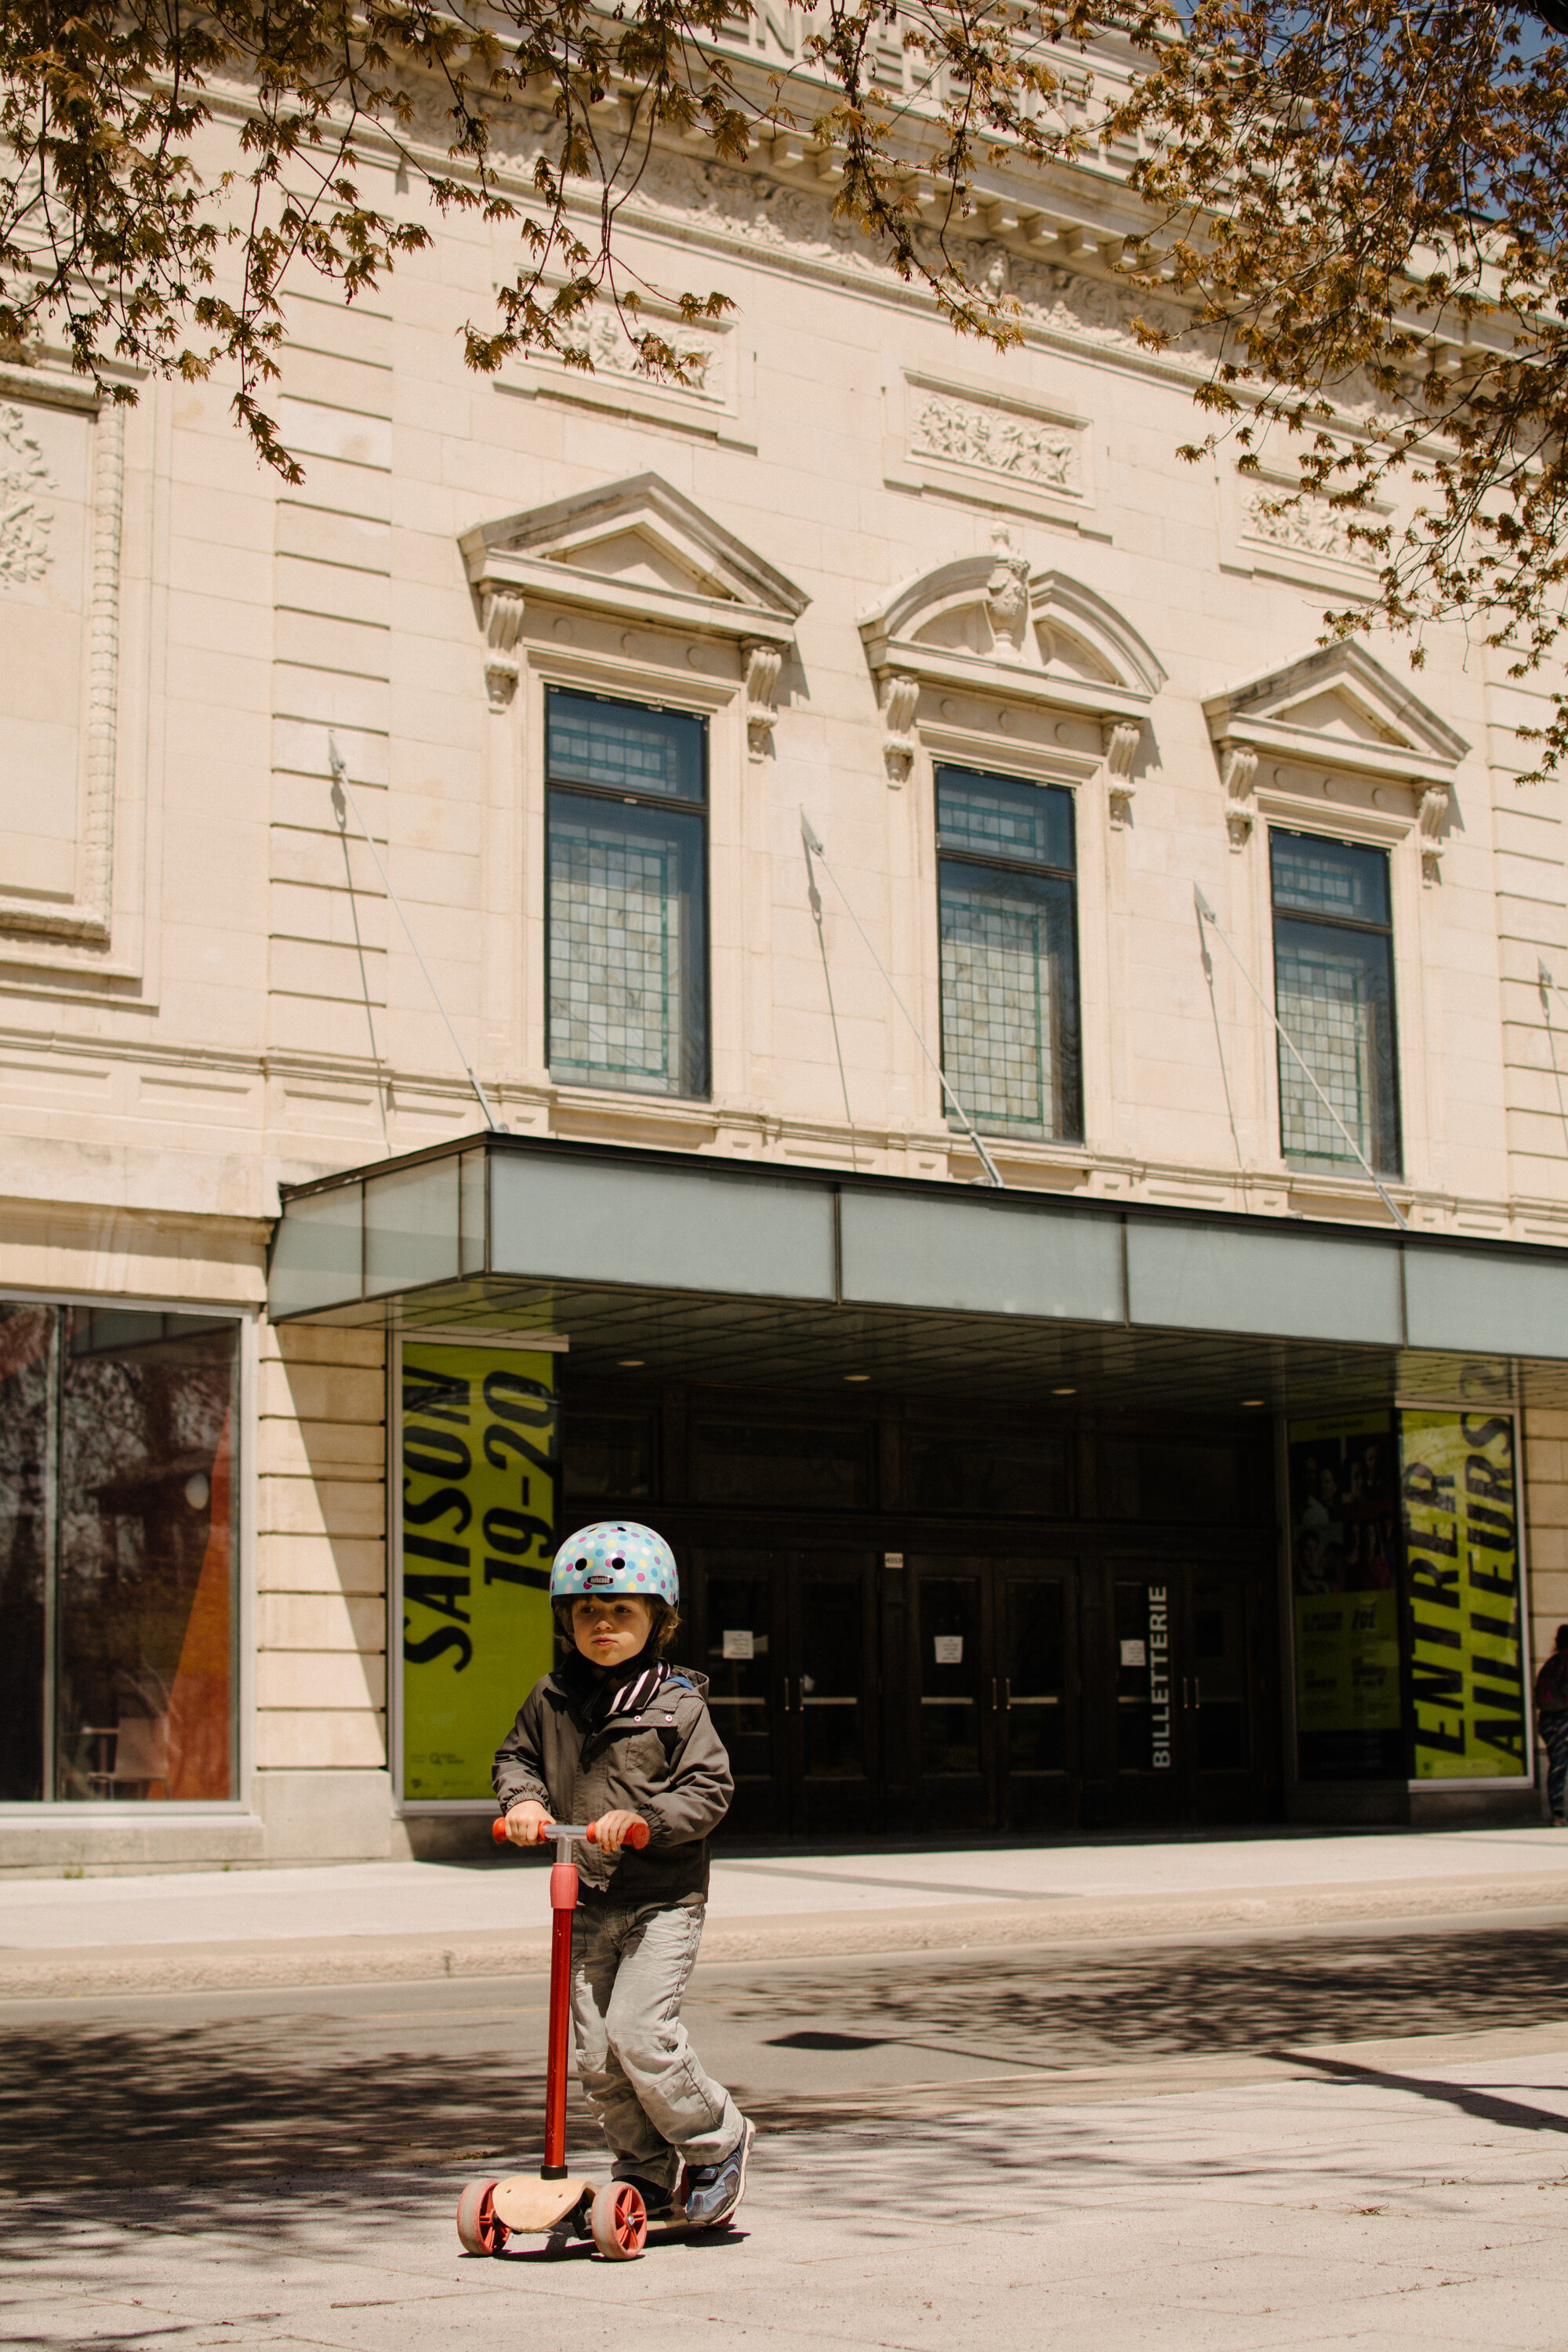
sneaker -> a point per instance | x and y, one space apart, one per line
661 2204
713 2190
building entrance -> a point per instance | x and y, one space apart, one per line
919 1625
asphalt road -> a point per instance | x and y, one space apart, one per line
197 2090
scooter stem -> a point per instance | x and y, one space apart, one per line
562 1903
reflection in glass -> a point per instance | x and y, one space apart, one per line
1018 1472
740 1622
607 1453
832 1678
1186 1480
27 1343
949 1630
818 1469
145 1575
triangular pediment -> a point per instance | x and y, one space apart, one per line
641 539
1337 704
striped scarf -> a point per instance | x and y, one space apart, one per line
621 1692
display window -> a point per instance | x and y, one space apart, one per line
118 1554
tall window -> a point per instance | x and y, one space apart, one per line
1009 953
1333 986
628 895
117 1554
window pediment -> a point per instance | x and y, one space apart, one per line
1336 707
636 551
990 623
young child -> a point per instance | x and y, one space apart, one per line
616 1736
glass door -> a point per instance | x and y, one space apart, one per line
1037 1727
994 1730
831 1696
736 1603
952 1733
1185 1741
786 1643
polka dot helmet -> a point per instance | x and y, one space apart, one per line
616 1555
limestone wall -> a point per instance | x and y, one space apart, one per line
320 1782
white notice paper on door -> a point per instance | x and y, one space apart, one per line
739 1643
949 1649
1134 1653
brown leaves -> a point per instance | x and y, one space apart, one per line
1369 212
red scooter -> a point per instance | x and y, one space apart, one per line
553 2204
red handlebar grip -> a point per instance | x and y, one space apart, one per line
636 1837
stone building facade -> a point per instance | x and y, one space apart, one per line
1032 682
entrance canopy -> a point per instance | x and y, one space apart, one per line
701 1269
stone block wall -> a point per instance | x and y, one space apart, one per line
321 1785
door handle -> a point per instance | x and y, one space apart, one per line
1007 1695
993 1694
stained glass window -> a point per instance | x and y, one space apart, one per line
1334 981
628 868
1009 953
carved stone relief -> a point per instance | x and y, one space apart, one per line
995 438
763 664
1239 766
1122 739
1431 824
1275 517
61 468
27 509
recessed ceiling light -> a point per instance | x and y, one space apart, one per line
631 1363
1064 1392
1248 1403
856 1376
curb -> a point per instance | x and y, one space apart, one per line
95 1972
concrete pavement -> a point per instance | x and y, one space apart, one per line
1392 2201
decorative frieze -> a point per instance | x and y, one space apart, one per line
995 437
27 507
1276 516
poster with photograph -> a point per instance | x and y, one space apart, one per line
1345 1576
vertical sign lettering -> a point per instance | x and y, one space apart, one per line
479 1448
1159 1679
1462 1534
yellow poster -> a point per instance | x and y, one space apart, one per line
479 1443
1461 1535
1347 1663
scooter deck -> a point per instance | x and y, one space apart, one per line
531 2206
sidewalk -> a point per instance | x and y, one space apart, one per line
381 1921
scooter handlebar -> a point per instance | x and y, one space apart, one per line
635 1837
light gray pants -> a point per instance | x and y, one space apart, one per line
658 2107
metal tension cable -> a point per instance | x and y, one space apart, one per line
816 850
1206 915
341 781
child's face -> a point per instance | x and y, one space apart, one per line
610 1629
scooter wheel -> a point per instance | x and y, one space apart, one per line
479 2226
619 2218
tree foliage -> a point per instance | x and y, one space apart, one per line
1367 208
114 238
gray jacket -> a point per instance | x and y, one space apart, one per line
668 1764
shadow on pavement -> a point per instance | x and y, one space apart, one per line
108 2104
